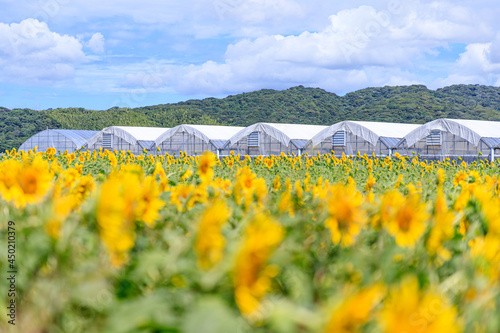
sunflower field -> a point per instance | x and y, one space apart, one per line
113 242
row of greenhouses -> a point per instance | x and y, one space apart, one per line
437 139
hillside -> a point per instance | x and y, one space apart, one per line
409 104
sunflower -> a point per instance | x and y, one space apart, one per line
252 275
354 311
347 216
370 182
210 242
205 166
149 202
116 228
62 206
411 310
442 227
180 194
276 183
407 222
25 183
269 162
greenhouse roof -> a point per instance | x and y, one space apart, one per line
219 144
368 130
131 134
389 142
78 137
471 130
146 144
492 142
281 132
206 133
299 143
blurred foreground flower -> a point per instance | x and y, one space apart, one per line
347 216
406 221
25 183
210 242
252 275
411 310
124 199
355 311
205 166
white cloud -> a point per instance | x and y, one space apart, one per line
96 43
480 59
493 52
30 52
480 63
458 79
251 18
275 44
200 18
475 59
359 47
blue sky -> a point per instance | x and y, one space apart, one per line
99 54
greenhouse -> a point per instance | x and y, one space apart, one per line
135 139
195 139
435 140
272 139
453 138
351 137
60 139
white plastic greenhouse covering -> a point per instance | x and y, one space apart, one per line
454 137
276 138
438 139
60 139
130 138
195 139
363 136
281 132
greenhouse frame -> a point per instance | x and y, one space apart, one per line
349 137
196 139
453 138
134 139
60 139
272 139
435 140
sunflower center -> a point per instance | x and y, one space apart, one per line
404 218
29 184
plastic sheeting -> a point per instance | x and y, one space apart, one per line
281 132
206 133
146 144
130 134
470 130
299 143
52 138
219 144
369 131
492 142
389 142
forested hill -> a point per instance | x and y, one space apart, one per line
408 104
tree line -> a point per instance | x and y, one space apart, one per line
406 104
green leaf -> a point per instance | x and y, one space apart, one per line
211 315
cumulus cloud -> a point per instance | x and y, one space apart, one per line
273 44
96 43
359 47
480 58
30 52
202 19
480 63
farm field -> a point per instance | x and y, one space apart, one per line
113 242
